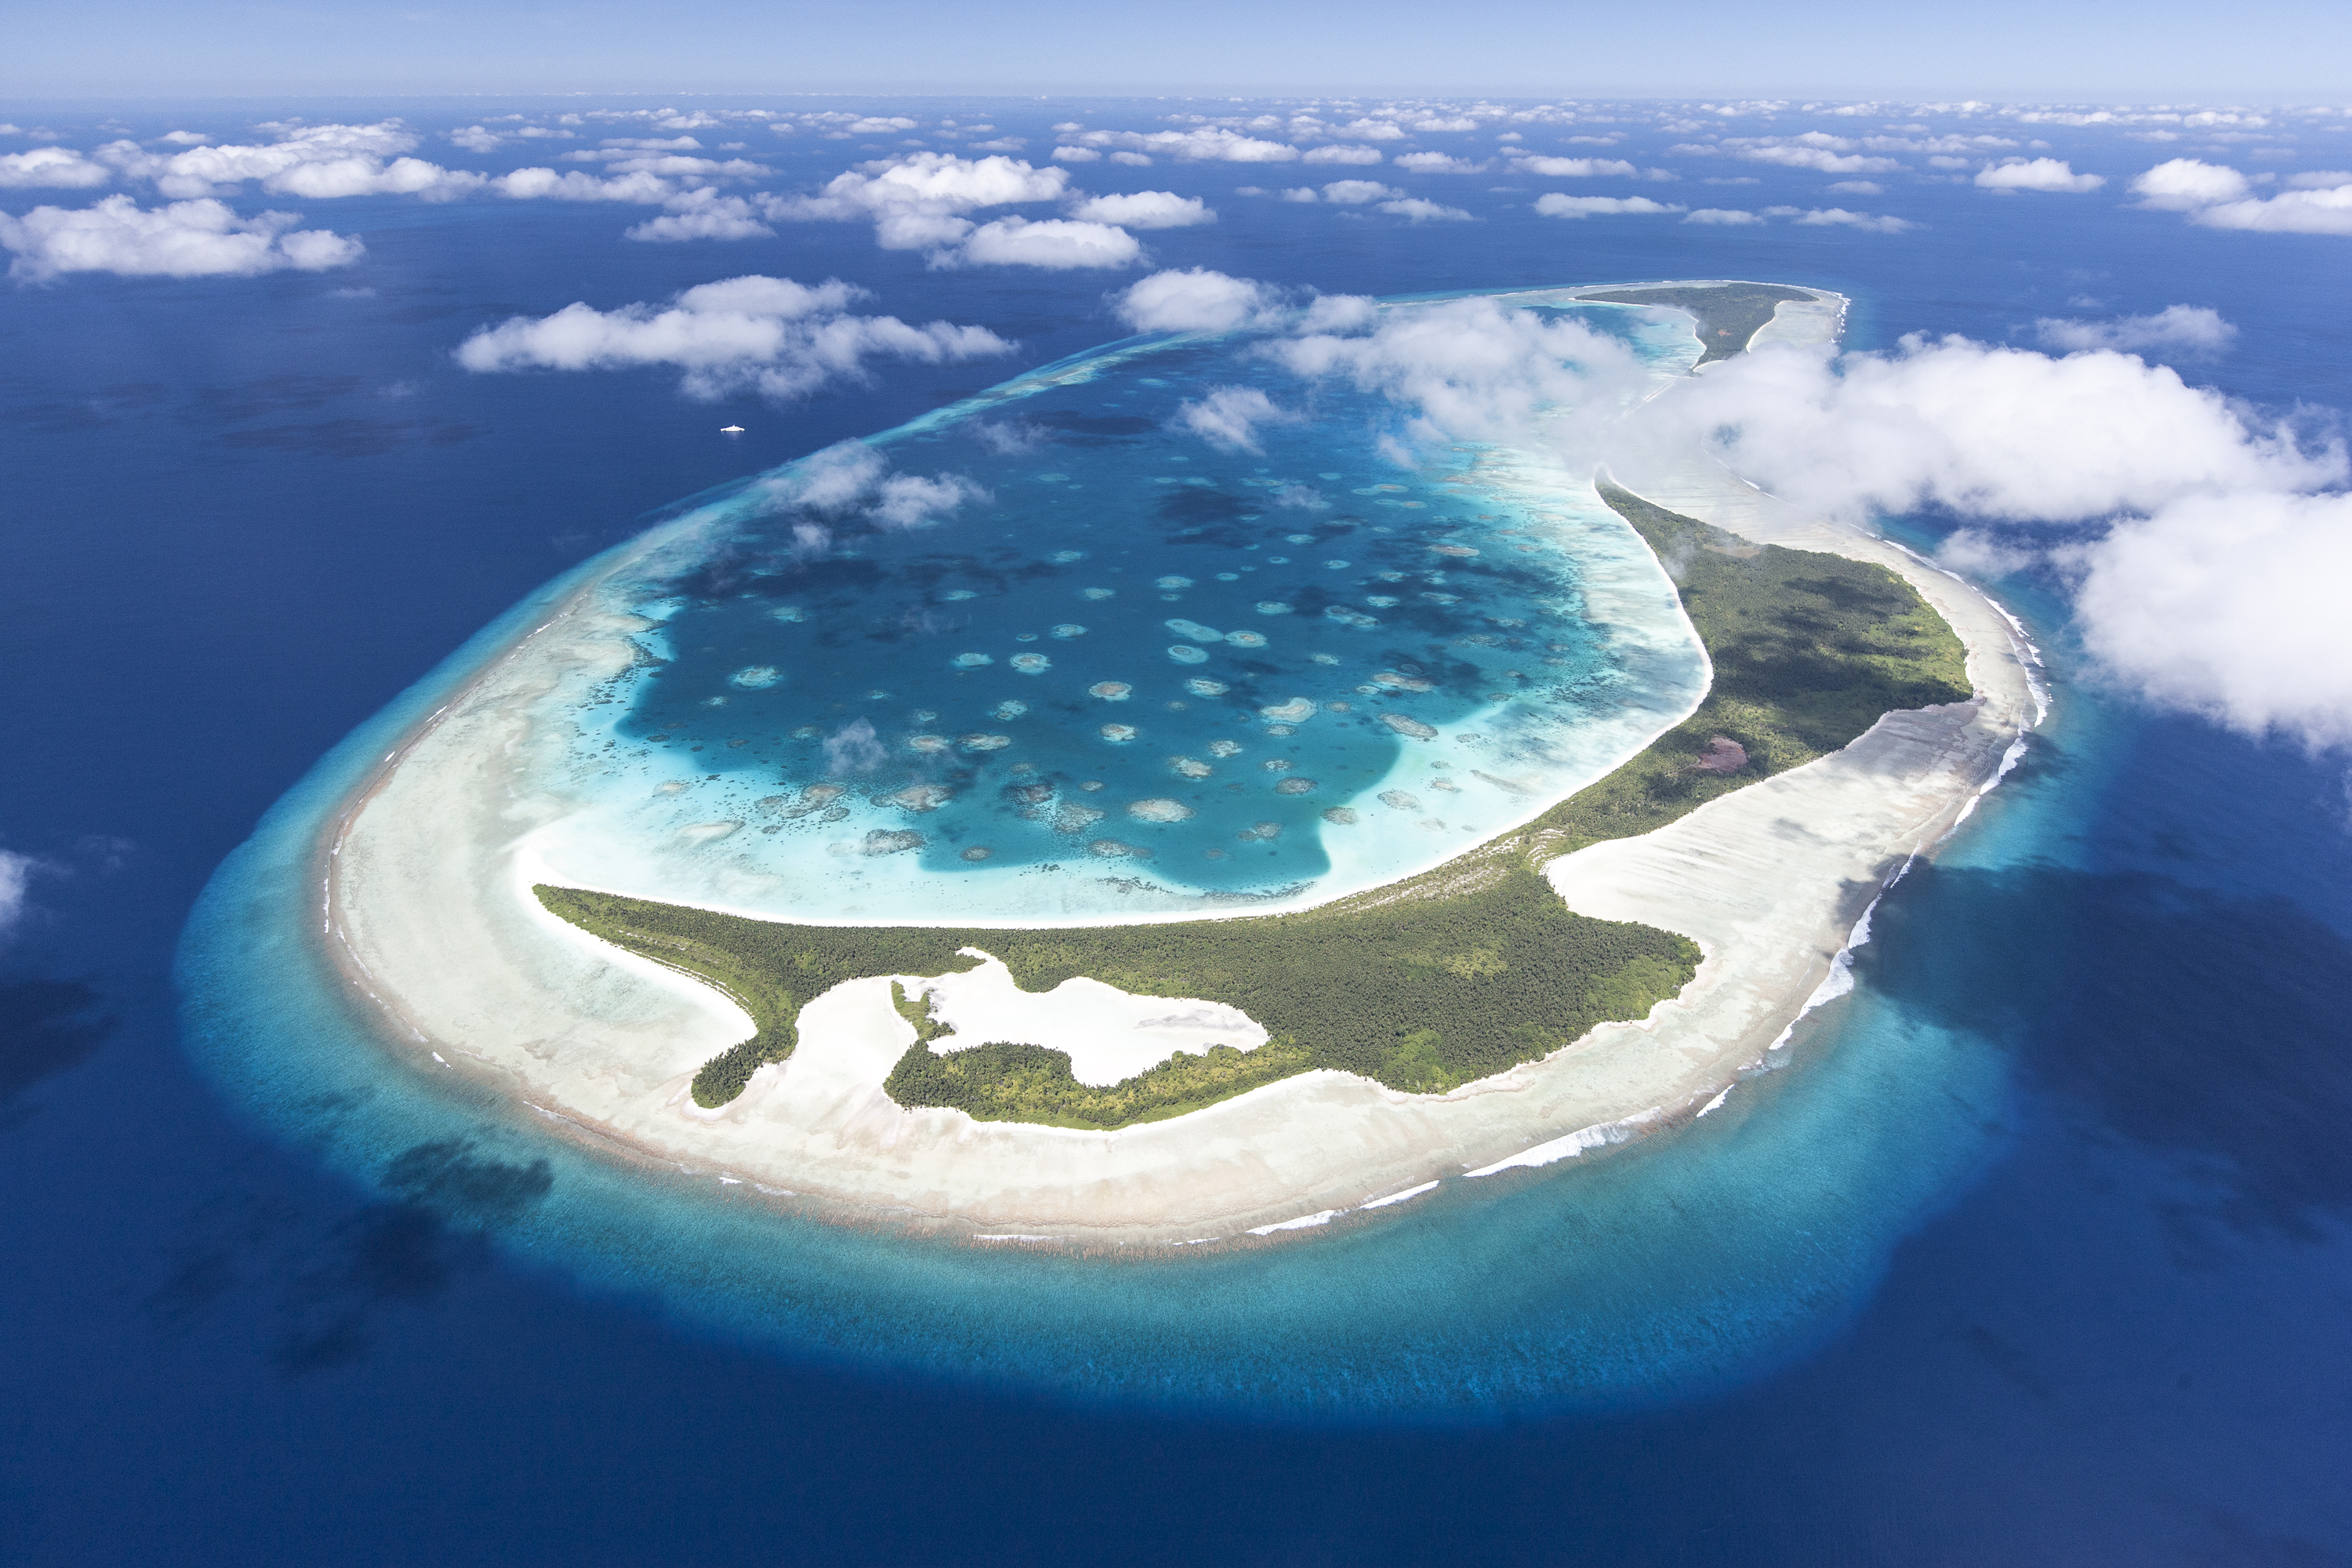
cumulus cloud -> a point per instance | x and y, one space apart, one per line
1339 313
2183 184
1575 168
918 202
1725 215
640 187
1839 217
1354 193
1202 145
2192 329
702 214
1228 417
51 168
1438 163
911 500
773 335
937 184
1558 205
1473 368
201 239
316 162
2213 576
1076 155
1058 244
1342 153
1822 160
1195 300
16 884
849 479
2052 175
1420 211
1145 209
1988 432
2291 212
2218 196
2230 606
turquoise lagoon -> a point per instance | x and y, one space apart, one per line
1050 654
1659 1272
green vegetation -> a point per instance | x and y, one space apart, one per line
1494 959
1004 1082
1423 985
1727 316
1809 650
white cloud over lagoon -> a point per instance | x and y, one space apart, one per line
2211 581
1472 368
772 335
201 239
1228 417
2206 544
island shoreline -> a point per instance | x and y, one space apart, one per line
1279 1213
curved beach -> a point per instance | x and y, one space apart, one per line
426 881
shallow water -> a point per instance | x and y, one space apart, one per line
1128 668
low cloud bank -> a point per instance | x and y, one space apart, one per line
185 239
772 335
2218 196
2210 573
919 202
2206 544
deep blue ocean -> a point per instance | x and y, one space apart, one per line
2033 1250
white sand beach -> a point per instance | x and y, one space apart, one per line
427 881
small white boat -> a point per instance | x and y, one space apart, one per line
730 429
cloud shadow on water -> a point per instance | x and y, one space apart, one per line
323 1281
2208 1028
45 1026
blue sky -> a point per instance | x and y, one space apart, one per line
2268 50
